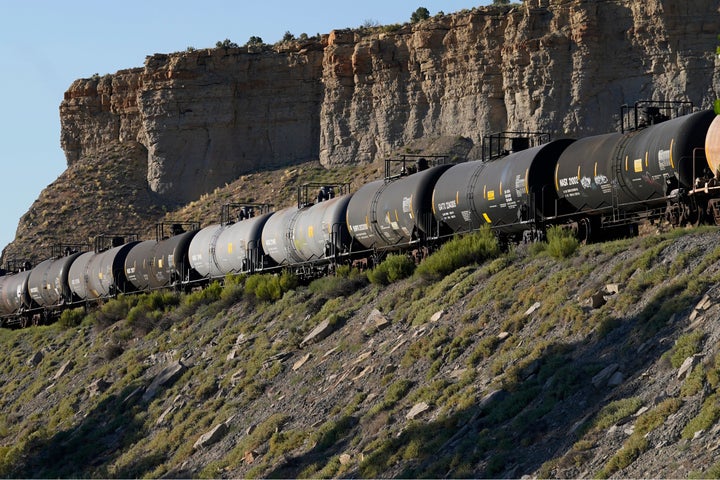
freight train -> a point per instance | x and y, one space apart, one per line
595 185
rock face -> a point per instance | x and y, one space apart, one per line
564 66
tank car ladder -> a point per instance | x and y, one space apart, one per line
618 182
471 197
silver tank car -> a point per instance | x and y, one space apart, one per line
506 193
321 230
171 262
277 236
391 214
95 275
202 251
48 282
312 233
221 249
239 246
14 294
634 170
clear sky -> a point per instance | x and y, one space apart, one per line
46 44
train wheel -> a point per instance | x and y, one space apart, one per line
714 210
585 230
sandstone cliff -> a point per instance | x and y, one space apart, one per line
207 116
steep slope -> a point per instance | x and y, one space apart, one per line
499 370
104 193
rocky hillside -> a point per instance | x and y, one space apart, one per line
604 363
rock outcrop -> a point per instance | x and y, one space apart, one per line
565 66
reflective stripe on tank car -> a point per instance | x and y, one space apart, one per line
487 219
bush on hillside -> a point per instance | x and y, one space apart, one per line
561 242
346 281
459 252
394 268
269 287
71 317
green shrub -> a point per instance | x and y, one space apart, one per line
616 411
113 310
72 317
459 252
268 287
561 242
204 296
346 281
686 346
394 268
709 414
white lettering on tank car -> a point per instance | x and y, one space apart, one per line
466 215
447 205
360 228
566 182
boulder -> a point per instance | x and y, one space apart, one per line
97 387
318 333
166 377
296 366
213 436
687 366
64 369
35 360
533 308
602 377
416 410
374 322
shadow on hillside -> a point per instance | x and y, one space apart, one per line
87 449
513 430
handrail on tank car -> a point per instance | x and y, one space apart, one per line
412 163
326 191
17 265
60 250
711 182
653 112
495 145
106 241
244 211
175 228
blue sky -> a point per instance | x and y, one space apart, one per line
46 44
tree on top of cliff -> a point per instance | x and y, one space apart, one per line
253 41
226 44
421 13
